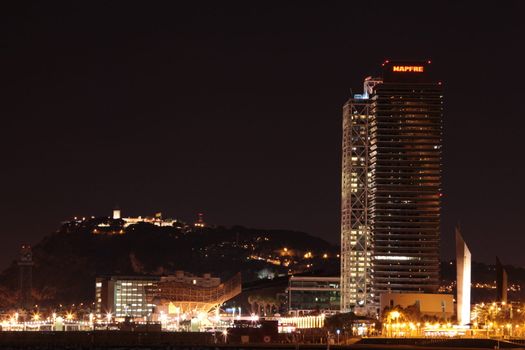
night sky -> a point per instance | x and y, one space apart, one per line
234 110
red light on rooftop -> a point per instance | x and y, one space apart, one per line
429 61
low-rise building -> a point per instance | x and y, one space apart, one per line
434 305
124 296
144 297
309 295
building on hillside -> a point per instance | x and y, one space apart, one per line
116 214
156 220
200 221
313 295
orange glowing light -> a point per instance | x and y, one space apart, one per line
411 69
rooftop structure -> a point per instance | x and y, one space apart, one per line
191 295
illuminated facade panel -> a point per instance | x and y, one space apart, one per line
440 306
124 296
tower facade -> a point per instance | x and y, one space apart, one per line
116 214
391 186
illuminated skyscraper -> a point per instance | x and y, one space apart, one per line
391 186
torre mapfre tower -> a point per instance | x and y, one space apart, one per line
391 186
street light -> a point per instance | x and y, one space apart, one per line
394 315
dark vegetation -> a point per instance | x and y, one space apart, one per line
67 262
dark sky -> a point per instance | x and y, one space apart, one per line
234 109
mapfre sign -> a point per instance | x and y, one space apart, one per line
409 69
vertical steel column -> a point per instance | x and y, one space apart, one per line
356 242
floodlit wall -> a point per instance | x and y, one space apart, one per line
439 305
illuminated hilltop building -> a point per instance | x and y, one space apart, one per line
200 221
156 220
116 224
391 186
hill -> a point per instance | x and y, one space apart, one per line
67 262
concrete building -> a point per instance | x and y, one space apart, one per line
438 305
463 271
156 220
306 295
124 296
391 186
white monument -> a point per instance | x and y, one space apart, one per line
463 268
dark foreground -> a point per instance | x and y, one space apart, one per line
110 340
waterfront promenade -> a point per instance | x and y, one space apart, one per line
215 341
